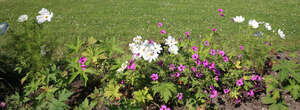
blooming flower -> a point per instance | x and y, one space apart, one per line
187 34
195 48
45 15
268 27
177 74
212 51
253 77
221 52
123 67
237 100
195 56
253 23
173 49
23 18
226 59
238 19
220 10
205 63
216 78
258 77
131 65
159 24
281 34
212 66
137 39
160 63
122 82
163 32
82 60
2 104
206 43
164 107
226 91
241 47
172 67
198 75
250 93
198 62
194 69
170 41
154 77
181 67
240 56
221 14
83 67
213 93
214 29
179 96
240 82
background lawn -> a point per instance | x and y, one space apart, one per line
124 19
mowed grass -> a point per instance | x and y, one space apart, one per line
124 19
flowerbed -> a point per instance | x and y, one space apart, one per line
165 74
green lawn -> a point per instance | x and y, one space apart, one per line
125 19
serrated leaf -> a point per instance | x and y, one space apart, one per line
165 89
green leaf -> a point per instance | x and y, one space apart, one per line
165 89
267 100
74 75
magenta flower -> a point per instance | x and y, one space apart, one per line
221 14
177 74
181 67
205 63
83 67
154 77
240 56
122 82
195 48
2 104
160 63
213 93
131 66
226 91
164 107
212 51
253 77
241 47
221 52
212 66
159 24
187 34
194 69
198 75
206 43
179 96
172 67
198 62
195 56
250 93
82 60
216 78
258 78
226 59
214 29
220 10
237 101
163 32
240 82
151 41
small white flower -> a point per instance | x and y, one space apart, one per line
281 34
22 18
150 56
239 19
45 15
173 49
254 24
137 39
123 67
156 47
268 26
170 41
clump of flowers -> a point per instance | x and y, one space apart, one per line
164 107
171 42
82 60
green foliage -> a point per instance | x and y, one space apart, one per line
112 91
165 89
142 96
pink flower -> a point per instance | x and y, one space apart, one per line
2 104
164 107
258 78
220 10
82 60
198 75
177 74
122 82
221 14
195 48
181 67
131 66
194 69
240 56
213 93
83 67
187 34
226 59
212 51
198 62
163 32
241 47
195 56
216 78
221 52
253 77
179 96
240 82
172 67
212 66
154 77
237 101
226 91
214 29
205 63
206 43
250 93
159 24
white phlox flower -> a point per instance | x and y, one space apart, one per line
253 23
239 19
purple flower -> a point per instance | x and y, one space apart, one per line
159 24
195 48
212 66
206 43
181 67
241 47
253 77
221 14
218 72
240 82
240 56
187 34
172 67
122 82
212 51
195 56
214 29
2 104
194 69
258 78
205 63
163 32
250 93
237 101
82 60
213 93
220 10
198 62
221 52
151 41
179 96
216 78
131 66
226 59
198 75
160 63
164 107
154 77
83 67
177 74
226 91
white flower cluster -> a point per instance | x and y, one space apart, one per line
148 50
123 67
254 24
45 15
171 42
